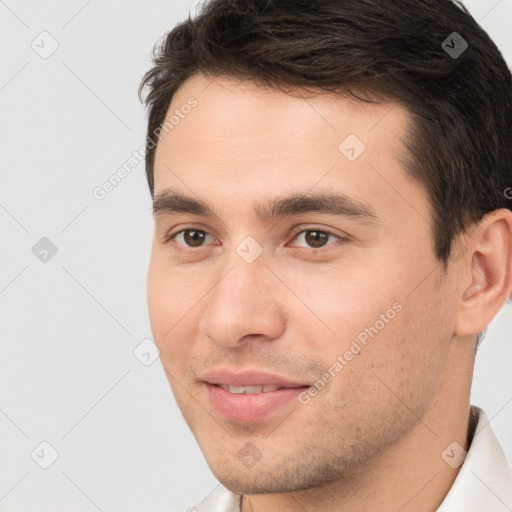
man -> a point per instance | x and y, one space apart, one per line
333 234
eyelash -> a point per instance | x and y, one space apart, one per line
171 238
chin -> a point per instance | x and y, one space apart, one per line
254 484
258 486
260 479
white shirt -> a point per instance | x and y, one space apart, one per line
483 484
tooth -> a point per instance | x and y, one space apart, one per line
249 390
235 389
252 389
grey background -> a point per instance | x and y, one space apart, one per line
69 325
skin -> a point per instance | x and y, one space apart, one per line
373 438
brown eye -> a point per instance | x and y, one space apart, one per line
316 239
194 237
191 237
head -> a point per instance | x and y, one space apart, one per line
332 196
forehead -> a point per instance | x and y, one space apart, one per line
237 108
242 141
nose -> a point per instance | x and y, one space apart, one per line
243 305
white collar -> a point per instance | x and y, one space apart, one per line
484 481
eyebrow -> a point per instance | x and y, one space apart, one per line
169 203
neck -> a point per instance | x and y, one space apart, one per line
411 475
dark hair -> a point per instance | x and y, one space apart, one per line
460 99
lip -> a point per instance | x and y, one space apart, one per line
249 408
248 378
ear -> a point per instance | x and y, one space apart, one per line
486 273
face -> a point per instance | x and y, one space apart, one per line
293 290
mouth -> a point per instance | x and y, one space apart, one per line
250 396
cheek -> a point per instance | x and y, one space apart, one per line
172 296
336 302
390 341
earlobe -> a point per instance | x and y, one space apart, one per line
488 268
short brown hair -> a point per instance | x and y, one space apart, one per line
460 144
